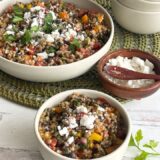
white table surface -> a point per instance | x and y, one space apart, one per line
18 142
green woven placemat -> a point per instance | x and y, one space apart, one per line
34 94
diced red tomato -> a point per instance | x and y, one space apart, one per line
97 46
9 9
31 50
53 143
101 100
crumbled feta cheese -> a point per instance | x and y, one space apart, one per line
81 37
44 55
59 127
68 26
51 54
27 15
10 27
81 108
87 121
34 42
72 32
34 22
10 32
41 14
56 34
37 8
149 64
67 36
135 64
101 109
64 131
70 140
39 33
49 38
72 122
53 15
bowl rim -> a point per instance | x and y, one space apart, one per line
134 10
76 62
83 91
102 62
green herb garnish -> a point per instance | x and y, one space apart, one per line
27 37
51 50
17 19
152 144
74 45
35 29
18 14
9 37
48 20
18 11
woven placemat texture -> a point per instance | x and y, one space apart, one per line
34 94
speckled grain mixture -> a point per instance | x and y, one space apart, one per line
82 127
50 33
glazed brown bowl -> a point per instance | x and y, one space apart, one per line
126 92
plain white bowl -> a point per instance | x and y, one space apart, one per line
135 20
62 72
142 5
49 154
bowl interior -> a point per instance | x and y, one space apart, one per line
53 101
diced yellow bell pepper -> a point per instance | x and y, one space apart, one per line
29 6
100 18
91 145
95 137
21 5
79 134
97 28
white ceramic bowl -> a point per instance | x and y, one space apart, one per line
49 154
134 20
62 72
142 5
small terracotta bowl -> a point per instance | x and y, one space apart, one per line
126 92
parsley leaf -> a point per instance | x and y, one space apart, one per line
26 37
18 11
74 45
152 144
48 20
132 142
138 136
17 19
35 29
142 156
51 50
9 37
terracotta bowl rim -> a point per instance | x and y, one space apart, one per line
104 79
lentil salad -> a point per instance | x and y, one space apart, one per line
81 127
50 33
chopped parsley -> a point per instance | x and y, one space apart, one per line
74 45
17 19
27 37
48 23
9 38
51 50
18 14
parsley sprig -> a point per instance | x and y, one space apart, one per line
152 145
18 14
